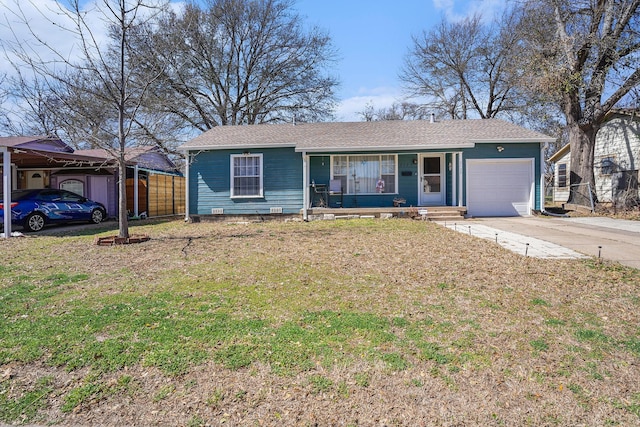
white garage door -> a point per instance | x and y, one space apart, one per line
501 187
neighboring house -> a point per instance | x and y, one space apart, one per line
490 166
616 160
47 162
161 186
562 166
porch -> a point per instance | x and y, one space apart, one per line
433 213
386 182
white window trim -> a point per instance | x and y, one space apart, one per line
61 185
347 190
232 176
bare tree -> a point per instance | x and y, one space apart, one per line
238 62
97 93
397 111
463 69
5 122
32 106
584 54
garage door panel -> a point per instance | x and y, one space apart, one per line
499 187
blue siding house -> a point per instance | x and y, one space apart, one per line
491 167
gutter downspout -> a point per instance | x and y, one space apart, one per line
460 204
6 190
543 190
186 186
305 186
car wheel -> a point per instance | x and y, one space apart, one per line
97 216
34 222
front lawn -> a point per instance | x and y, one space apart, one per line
358 322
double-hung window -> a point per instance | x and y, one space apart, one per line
246 175
366 174
607 165
562 175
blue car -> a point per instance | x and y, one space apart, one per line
33 209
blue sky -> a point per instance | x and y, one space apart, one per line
373 37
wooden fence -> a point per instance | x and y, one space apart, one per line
158 195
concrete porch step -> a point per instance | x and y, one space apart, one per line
434 213
442 213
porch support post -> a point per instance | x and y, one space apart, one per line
454 176
186 185
6 189
543 190
305 185
135 191
460 202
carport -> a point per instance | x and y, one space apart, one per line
21 154
43 162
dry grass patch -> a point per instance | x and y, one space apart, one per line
361 322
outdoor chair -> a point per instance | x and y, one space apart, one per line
319 195
335 189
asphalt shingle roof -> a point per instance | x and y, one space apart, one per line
129 155
47 143
344 136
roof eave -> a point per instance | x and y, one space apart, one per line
185 148
514 141
64 156
560 153
384 148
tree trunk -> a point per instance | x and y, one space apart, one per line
583 141
123 215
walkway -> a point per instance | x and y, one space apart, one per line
551 237
518 243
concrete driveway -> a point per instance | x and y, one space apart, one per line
615 239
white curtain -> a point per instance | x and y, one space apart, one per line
364 172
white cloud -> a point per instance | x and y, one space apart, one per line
381 97
457 10
23 23
443 4
51 22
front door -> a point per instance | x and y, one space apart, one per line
432 189
35 179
